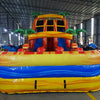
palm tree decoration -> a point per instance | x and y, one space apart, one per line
75 33
25 33
65 14
72 31
35 14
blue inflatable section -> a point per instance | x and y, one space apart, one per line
93 45
10 48
61 43
38 43
50 71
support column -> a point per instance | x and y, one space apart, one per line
85 29
97 31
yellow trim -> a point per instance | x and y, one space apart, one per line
91 96
26 46
50 25
65 23
46 59
50 34
27 85
50 16
60 26
40 26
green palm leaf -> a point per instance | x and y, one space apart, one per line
67 13
61 13
25 32
81 30
35 14
19 31
30 31
39 13
72 31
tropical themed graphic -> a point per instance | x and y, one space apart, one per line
75 33
50 60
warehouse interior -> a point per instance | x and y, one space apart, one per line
15 14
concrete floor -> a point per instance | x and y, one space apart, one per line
50 96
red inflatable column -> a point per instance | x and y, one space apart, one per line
68 43
32 43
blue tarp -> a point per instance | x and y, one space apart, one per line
10 48
93 45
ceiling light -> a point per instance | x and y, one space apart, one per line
4 41
92 26
12 33
81 39
74 27
5 30
16 35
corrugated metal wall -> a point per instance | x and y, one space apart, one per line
81 10
97 30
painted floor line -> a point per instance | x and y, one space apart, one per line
91 96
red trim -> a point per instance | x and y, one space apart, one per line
19 53
27 53
56 52
34 24
45 25
92 52
15 53
81 52
70 52
21 50
65 23
45 39
47 90
59 50
4 53
55 25
49 52
39 52
98 51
